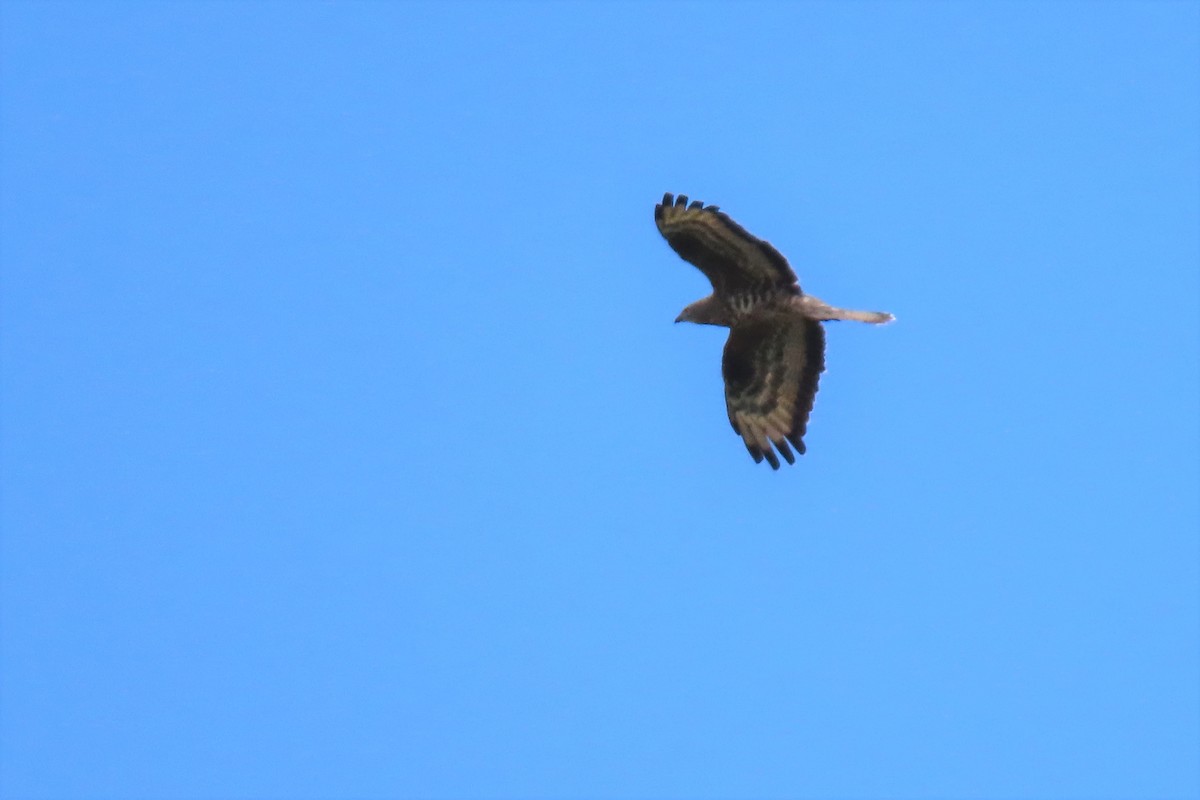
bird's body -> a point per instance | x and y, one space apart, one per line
776 348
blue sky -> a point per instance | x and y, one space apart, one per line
349 449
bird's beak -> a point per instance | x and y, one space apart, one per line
679 318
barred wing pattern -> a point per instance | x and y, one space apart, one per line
733 260
771 366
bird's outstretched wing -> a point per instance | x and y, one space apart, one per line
771 366
733 260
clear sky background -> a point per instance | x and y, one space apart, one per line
349 449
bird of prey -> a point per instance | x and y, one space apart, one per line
776 348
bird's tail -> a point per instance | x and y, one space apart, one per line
815 308
871 317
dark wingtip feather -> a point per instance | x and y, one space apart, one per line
668 198
772 459
797 442
696 204
681 200
785 451
755 453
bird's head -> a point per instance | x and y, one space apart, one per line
708 311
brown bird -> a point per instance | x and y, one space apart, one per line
775 353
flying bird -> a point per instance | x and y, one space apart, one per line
775 353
